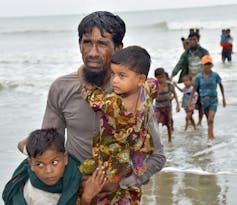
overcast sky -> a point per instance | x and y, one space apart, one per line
52 7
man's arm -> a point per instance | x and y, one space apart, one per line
53 116
156 160
182 63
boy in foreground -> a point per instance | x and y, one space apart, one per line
49 175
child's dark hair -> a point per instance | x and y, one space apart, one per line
159 71
41 140
104 21
167 76
135 57
192 34
188 76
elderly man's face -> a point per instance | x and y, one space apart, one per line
97 50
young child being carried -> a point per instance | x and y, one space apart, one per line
49 175
164 99
187 79
124 142
207 81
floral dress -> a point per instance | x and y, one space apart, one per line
123 143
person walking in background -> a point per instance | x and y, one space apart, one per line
163 100
207 81
190 63
227 45
187 79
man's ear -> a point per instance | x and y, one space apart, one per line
119 47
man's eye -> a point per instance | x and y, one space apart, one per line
86 41
102 43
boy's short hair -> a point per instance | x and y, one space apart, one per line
159 71
188 76
134 57
41 140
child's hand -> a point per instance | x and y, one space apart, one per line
224 102
177 108
93 185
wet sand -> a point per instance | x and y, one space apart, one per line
195 173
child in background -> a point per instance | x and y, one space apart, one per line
50 175
163 100
125 141
207 82
187 79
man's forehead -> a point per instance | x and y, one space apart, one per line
100 32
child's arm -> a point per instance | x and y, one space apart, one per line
93 186
176 100
223 94
191 97
176 85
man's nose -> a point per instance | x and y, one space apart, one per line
94 51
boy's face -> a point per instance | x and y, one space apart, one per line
207 67
49 167
187 81
125 81
161 78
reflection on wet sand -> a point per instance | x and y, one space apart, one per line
185 189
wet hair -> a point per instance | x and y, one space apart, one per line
188 76
159 71
167 76
41 140
135 58
104 21
192 34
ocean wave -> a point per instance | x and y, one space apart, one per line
159 25
33 32
187 24
197 171
24 86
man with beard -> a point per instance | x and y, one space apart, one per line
190 63
100 36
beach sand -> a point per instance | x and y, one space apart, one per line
195 173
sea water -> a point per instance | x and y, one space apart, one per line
36 50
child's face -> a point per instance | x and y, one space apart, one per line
125 81
187 81
207 67
49 167
161 78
